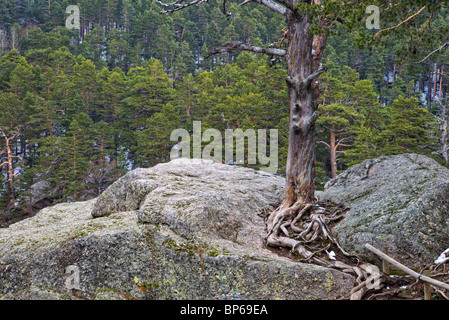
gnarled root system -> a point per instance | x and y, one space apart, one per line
306 230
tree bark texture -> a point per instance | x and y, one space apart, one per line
301 159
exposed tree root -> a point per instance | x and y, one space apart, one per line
305 229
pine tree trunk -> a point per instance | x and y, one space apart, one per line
333 153
10 174
435 83
444 134
441 83
429 87
301 159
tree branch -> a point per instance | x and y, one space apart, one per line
224 10
339 143
310 78
401 23
233 46
325 143
178 5
275 6
434 51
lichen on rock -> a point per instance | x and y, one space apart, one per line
400 202
179 228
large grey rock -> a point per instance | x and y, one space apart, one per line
196 197
39 191
400 202
169 232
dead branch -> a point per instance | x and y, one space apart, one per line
434 52
233 46
178 5
273 5
224 10
440 292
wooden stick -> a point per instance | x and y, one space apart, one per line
406 269
427 288
385 264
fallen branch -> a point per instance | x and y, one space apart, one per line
406 269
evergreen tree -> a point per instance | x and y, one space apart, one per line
153 143
406 131
337 111
64 160
84 86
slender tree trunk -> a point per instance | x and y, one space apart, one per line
102 160
429 87
394 73
435 83
443 124
441 83
10 173
387 82
333 152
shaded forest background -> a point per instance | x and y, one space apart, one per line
80 108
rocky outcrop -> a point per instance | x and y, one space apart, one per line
188 229
400 202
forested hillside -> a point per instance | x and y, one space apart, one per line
79 108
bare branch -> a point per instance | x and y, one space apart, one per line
310 78
3 164
173 4
401 23
178 5
286 4
224 9
325 143
434 51
340 143
275 6
233 46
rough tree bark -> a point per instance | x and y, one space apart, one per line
300 169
